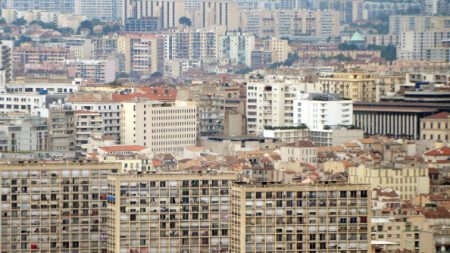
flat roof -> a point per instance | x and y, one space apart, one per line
393 109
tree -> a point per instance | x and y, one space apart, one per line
156 74
65 30
19 22
389 52
23 39
87 24
44 25
185 21
2 21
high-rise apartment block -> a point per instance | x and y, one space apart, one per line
104 10
164 127
97 71
54 206
291 23
61 130
417 23
169 212
237 47
299 218
142 53
192 45
6 62
203 13
66 6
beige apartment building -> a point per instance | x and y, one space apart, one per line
408 179
280 49
418 23
303 151
87 123
54 206
26 54
300 218
164 127
287 23
169 212
356 86
61 130
143 53
436 127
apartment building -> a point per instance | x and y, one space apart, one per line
280 49
237 47
191 45
61 130
98 71
164 127
142 53
417 23
26 54
6 62
54 206
270 101
261 59
34 104
66 6
169 212
288 134
436 127
291 23
303 151
353 85
104 47
414 45
408 179
203 13
87 123
104 10
321 111
102 103
22 132
271 217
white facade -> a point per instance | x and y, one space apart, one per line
109 111
164 127
6 59
100 71
321 111
50 88
99 9
33 104
23 133
414 45
270 101
237 47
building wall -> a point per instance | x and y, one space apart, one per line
173 211
23 133
408 180
285 218
435 129
303 154
163 127
54 206
354 86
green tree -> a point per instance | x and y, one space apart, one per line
185 21
87 24
2 21
19 21
22 39
389 52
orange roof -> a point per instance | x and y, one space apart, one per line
156 162
368 141
439 152
441 115
351 145
134 148
331 149
152 93
300 144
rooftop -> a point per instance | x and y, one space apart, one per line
444 151
132 148
300 144
441 115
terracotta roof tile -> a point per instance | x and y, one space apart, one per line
439 152
441 115
122 148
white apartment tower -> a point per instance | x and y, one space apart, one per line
164 127
319 111
270 102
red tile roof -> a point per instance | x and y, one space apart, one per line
152 93
301 144
134 148
439 152
441 115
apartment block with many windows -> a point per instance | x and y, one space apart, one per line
54 206
300 218
169 212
